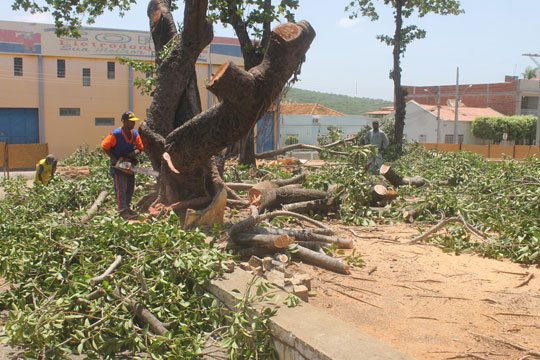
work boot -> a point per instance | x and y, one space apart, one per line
132 212
127 214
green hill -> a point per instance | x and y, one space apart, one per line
342 103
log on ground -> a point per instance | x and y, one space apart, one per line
397 180
303 235
321 260
272 241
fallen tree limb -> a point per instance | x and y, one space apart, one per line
255 219
299 179
96 294
286 149
434 229
255 251
237 204
239 186
320 205
443 222
342 141
142 282
273 198
278 241
92 296
311 245
302 235
107 273
321 260
396 180
99 200
143 314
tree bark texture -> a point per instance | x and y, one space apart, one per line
175 123
399 98
273 198
321 260
304 235
271 241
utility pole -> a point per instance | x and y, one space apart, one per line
537 140
438 114
457 108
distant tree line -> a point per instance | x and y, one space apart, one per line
345 104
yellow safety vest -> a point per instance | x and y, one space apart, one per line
46 174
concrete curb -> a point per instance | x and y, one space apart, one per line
305 332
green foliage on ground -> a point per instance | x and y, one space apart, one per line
498 198
48 257
517 127
345 104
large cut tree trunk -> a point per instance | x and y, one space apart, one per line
175 123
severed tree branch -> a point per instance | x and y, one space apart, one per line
107 273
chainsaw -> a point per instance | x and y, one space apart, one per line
129 168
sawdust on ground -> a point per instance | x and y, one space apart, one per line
430 304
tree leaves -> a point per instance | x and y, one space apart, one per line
51 256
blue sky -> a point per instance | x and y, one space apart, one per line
487 43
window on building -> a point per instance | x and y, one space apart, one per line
110 69
70 112
422 139
61 68
86 77
529 105
17 66
104 121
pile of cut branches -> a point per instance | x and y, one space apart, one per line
108 287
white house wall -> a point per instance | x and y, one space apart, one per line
419 121
308 130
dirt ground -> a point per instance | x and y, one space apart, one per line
430 304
